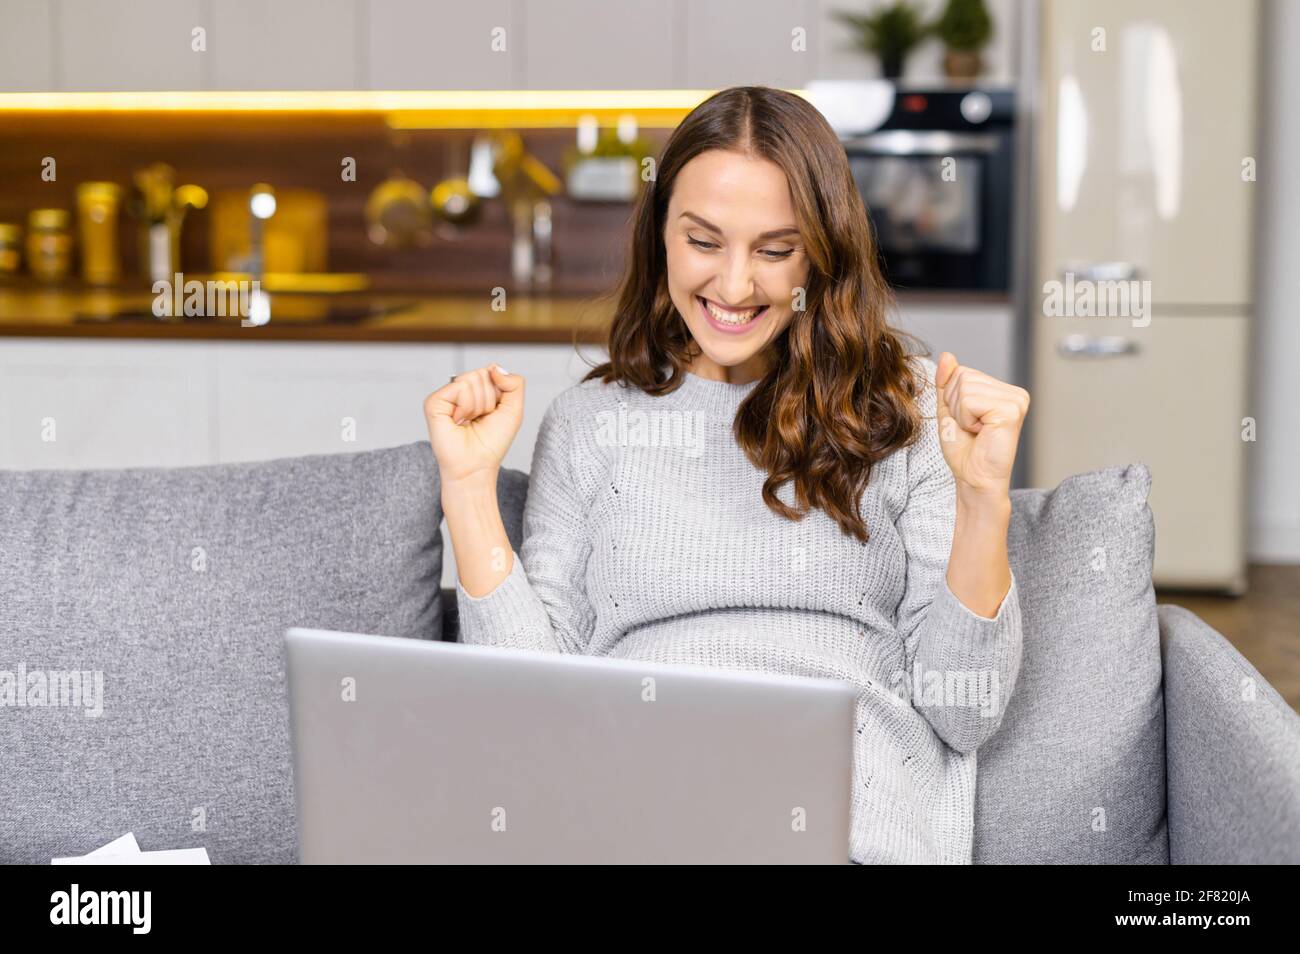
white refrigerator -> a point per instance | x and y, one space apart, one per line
1141 307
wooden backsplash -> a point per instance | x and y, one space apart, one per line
232 151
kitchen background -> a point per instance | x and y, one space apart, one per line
422 188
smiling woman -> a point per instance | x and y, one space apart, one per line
841 511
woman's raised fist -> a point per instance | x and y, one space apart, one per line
473 421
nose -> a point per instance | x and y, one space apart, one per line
736 283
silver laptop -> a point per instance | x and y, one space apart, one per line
408 751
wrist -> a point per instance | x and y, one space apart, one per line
984 504
479 486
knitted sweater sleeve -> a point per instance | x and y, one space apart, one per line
542 603
961 667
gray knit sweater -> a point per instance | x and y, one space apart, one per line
646 537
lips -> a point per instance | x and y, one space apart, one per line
730 319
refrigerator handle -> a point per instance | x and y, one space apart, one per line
1101 346
1101 271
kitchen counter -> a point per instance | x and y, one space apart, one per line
32 311
86 313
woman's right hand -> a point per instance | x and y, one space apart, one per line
473 421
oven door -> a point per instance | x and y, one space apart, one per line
932 198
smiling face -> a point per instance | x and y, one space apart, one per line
735 259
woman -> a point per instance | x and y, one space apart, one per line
760 477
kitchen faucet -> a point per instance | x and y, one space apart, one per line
526 185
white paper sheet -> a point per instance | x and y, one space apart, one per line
126 851
126 845
177 856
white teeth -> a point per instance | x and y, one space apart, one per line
731 317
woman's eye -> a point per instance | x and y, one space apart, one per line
770 254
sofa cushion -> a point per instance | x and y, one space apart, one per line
1076 771
176 586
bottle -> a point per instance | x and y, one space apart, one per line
97 208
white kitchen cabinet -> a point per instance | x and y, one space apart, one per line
413 44
287 399
288 44
595 44
167 403
130 45
26 46
746 42
838 56
83 404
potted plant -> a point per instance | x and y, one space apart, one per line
964 27
890 32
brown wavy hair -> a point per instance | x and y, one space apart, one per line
839 394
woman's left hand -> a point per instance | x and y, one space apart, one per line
979 421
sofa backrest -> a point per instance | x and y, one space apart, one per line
173 587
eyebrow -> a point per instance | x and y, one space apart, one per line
774 233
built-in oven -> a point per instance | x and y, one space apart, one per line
936 177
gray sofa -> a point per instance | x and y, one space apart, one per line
1136 733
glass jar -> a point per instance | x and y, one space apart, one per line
49 244
11 248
